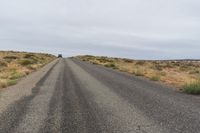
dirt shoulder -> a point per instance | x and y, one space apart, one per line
23 88
175 73
15 65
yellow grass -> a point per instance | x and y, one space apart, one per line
176 73
15 65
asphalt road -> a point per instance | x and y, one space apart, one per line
72 96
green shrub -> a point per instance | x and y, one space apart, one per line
128 60
25 62
184 68
192 88
28 55
107 65
163 73
139 73
11 57
95 63
176 64
111 65
15 76
104 60
158 67
195 71
12 82
155 78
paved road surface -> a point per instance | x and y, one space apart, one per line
70 96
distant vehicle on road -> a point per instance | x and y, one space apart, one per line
59 55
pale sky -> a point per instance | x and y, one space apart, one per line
139 29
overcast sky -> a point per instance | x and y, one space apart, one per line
140 29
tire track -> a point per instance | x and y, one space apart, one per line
77 114
11 118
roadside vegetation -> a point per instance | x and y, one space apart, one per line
184 75
192 88
15 65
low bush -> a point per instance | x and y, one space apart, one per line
167 65
163 73
84 60
195 71
192 88
124 69
25 62
139 73
11 57
111 65
15 76
3 64
158 67
140 63
12 82
128 60
184 68
28 55
32 67
155 78
3 84
95 63
104 60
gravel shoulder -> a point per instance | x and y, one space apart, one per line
24 87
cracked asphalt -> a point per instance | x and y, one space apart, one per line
71 96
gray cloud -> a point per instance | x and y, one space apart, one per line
144 29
